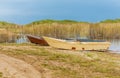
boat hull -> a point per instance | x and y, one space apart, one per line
37 40
62 44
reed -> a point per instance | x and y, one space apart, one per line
8 32
70 30
63 29
105 31
58 30
6 36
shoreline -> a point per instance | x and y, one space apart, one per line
52 63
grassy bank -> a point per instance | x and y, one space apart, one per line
53 63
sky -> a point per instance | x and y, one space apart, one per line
27 11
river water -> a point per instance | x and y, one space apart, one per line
115 44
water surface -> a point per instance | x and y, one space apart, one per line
115 44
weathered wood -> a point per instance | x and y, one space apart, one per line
77 45
37 40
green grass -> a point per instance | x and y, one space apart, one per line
1 74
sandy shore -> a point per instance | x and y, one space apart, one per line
14 68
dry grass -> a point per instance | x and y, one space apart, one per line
58 30
6 36
9 32
1 74
68 30
53 63
105 31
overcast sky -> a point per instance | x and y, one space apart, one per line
26 11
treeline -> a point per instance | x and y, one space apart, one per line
70 29
49 21
111 21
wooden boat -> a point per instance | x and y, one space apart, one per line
77 45
37 40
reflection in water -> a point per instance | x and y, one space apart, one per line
115 45
22 39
